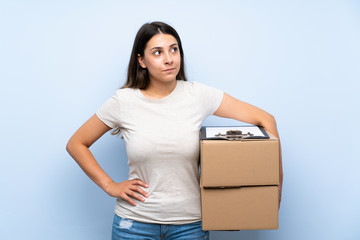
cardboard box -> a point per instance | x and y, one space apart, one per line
239 208
239 184
249 162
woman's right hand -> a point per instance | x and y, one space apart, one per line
128 190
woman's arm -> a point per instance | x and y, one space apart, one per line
233 108
78 148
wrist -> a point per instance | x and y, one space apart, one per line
106 187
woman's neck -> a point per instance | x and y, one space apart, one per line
159 90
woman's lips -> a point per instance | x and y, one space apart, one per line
169 69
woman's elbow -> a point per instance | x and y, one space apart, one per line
271 118
268 121
264 117
72 145
69 146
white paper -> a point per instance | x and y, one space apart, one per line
212 131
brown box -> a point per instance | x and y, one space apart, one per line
239 184
240 163
239 208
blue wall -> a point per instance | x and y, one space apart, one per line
60 60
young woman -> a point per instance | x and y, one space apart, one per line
159 113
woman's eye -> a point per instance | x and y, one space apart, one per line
157 53
174 49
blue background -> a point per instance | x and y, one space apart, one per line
61 60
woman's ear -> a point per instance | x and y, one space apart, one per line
141 61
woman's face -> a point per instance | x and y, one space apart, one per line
161 58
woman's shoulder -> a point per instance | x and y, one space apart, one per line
191 84
196 86
122 92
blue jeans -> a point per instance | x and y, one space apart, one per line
131 229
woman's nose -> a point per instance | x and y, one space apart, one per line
168 59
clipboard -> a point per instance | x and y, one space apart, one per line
233 133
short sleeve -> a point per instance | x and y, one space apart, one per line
109 112
210 97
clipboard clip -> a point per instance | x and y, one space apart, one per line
234 135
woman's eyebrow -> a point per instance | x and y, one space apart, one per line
159 48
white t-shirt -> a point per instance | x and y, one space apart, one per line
162 144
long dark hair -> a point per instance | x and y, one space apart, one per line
138 77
